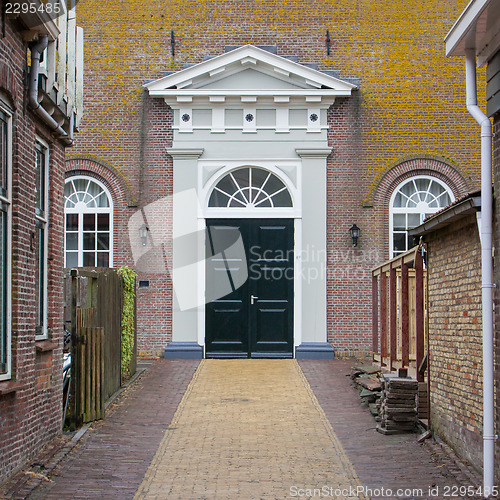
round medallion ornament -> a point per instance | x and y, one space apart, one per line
313 117
249 117
185 117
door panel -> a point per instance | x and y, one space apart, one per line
253 319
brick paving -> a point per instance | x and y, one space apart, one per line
383 462
111 459
244 429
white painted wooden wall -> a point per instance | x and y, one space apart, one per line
63 62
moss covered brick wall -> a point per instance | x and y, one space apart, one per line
408 117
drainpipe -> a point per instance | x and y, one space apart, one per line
486 269
36 52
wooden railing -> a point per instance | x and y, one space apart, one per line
398 314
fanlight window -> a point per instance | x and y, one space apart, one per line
88 228
412 202
250 188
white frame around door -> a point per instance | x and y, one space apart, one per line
229 213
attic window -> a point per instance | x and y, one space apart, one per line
250 188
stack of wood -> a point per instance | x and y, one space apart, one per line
397 405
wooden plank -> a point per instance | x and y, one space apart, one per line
405 320
375 314
383 318
93 384
393 317
419 313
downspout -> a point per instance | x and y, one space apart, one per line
36 51
486 270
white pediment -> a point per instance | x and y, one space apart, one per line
248 71
252 80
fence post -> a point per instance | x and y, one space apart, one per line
393 319
375 314
383 317
405 317
419 312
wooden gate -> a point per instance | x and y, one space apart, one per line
93 314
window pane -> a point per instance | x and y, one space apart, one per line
102 259
242 177
88 241
399 222
89 222
413 220
71 241
71 222
103 222
282 199
3 293
103 241
4 150
218 199
89 259
399 240
71 259
40 281
41 174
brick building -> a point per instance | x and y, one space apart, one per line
39 106
474 37
296 121
455 364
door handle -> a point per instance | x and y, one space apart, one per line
253 298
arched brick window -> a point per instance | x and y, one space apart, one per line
411 202
89 223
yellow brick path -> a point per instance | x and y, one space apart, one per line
248 429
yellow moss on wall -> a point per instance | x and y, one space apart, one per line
413 99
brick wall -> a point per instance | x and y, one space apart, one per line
31 415
455 336
408 118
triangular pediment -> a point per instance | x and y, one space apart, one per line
250 79
248 70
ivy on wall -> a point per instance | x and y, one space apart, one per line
128 318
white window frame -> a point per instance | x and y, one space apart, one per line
416 210
280 169
109 210
42 222
6 200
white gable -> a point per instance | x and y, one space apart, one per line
250 79
248 72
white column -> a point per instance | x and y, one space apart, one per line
185 208
314 253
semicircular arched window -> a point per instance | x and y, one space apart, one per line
250 187
413 201
89 224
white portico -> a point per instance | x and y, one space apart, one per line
250 149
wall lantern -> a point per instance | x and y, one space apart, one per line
143 233
354 230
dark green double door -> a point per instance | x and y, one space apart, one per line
249 277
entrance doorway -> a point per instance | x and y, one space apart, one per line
255 318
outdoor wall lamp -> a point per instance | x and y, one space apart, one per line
143 233
354 230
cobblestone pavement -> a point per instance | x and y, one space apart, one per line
241 429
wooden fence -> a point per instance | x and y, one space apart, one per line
93 311
399 314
